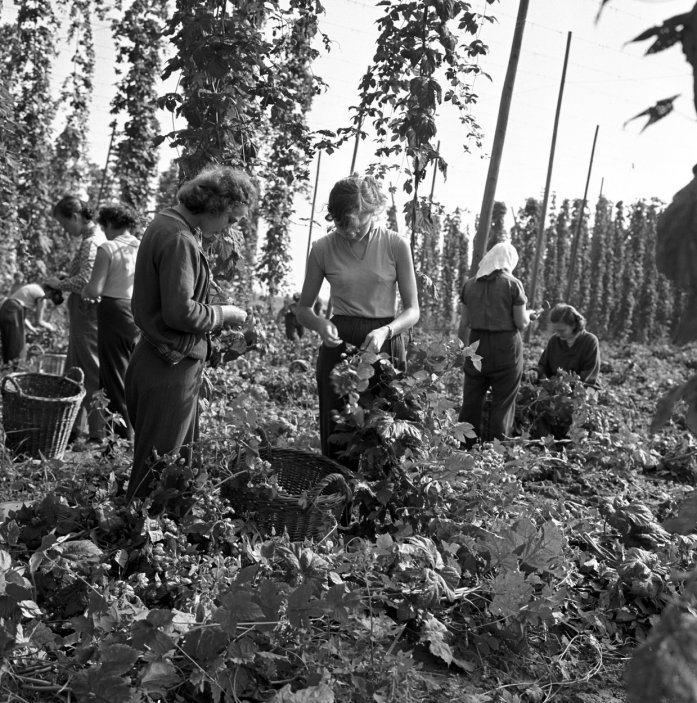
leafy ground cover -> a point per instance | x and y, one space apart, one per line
537 569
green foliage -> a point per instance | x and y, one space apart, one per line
286 171
70 159
245 83
138 35
31 56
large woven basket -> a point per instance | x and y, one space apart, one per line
315 493
38 411
45 362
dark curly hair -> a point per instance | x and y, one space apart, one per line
120 215
351 195
215 189
70 205
568 315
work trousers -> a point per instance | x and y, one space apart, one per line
352 330
116 340
82 352
12 332
502 371
162 403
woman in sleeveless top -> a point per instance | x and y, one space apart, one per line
111 286
365 265
172 309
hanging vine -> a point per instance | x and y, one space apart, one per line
418 65
138 36
9 136
285 170
32 55
231 60
70 157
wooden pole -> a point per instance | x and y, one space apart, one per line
539 243
394 207
106 165
312 211
435 173
579 222
355 146
482 234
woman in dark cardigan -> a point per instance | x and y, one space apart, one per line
570 348
172 309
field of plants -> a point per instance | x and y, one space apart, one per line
530 570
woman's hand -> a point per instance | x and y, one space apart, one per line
374 340
329 334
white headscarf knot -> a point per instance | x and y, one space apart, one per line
501 256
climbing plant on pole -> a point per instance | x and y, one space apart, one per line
420 62
32 54
229 58
138 36
285 168
70 157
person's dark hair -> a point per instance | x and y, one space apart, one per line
215 188
568 315
351 195
70 205
119 215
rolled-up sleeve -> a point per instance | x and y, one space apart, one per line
81 267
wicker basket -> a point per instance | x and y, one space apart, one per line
321 480
39 410
45 362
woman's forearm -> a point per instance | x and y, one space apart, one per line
404 321
307 318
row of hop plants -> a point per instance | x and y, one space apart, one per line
616 283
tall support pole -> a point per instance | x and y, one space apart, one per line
579 222
312 211
355 146
106 165
539 243
482 235
435 173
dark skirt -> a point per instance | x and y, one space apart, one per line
501 372
82 352
116 340
162 405
12 331
352 330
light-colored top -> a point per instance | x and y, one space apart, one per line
83 261
363 286
122 252
29 295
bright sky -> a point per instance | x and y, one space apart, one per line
607 83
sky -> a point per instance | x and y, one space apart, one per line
608 81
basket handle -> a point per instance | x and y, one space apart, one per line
75 373
264 445
333 481
8 379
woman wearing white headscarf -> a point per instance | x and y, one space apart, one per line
493 313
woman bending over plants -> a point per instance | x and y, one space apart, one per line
28 298
493 313
570 348
365 265
171 306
